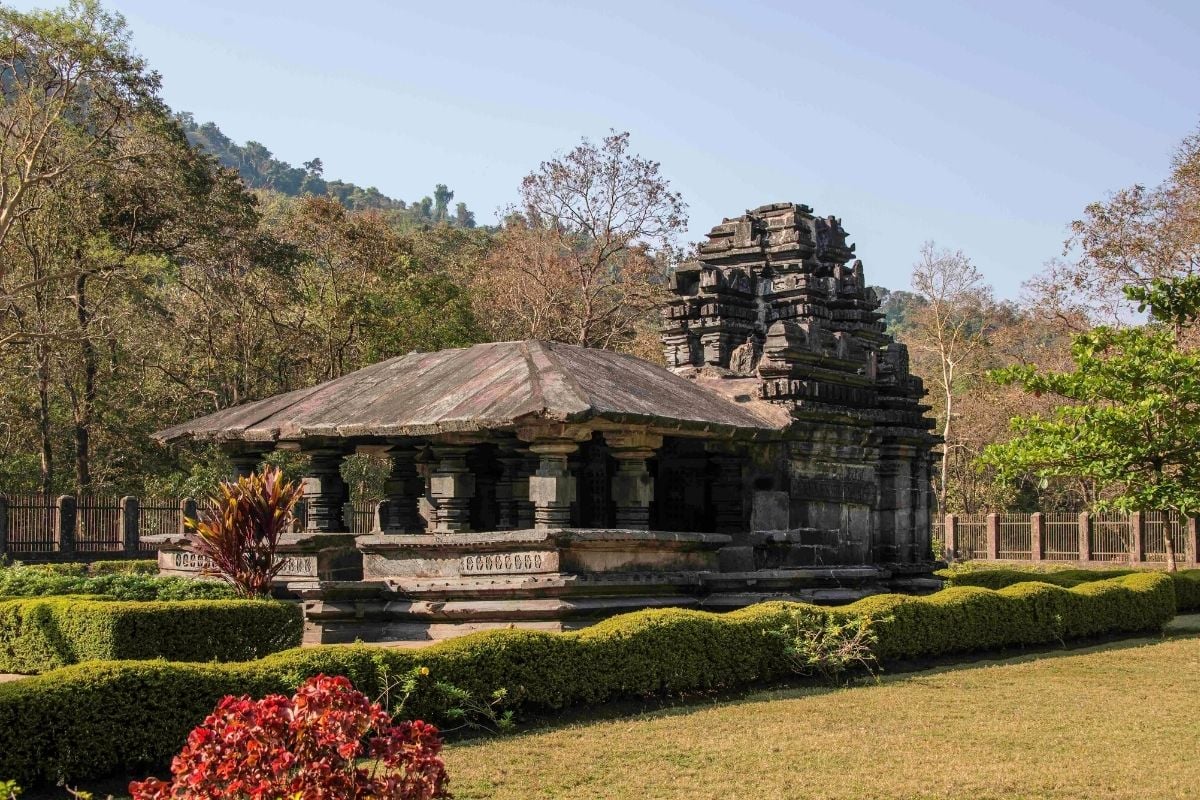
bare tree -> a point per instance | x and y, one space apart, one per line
950 327
585 255
1134 236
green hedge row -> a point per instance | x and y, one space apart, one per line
1186 582
41 634
97 719
139 566
113 579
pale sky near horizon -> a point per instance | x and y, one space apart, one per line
982 126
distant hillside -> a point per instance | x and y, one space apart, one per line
261 170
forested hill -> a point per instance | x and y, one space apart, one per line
261 170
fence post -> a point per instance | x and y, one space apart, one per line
1085 536
382 512
993 537
1192 540
3 525
950 537
130 523
1137 537
64 524
1037 535
187 510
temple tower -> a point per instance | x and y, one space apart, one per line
776 308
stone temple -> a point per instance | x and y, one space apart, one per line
782 453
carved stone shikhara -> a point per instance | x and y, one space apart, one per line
784 453
774 298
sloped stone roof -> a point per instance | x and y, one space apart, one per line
492 386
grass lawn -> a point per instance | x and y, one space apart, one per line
1113 721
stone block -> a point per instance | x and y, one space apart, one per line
736 559
771 511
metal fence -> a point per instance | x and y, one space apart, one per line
1106 537
36 526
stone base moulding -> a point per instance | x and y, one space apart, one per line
307 558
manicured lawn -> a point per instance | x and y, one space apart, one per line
1115 721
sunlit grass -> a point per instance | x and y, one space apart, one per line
1117 721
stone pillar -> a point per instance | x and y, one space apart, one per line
402 490
64 524
728 494
632 486
187 510
993 537
325 491
950 538
552 487
1085 536
1191 538
129 519
1037 535
451 488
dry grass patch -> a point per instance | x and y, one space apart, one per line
1117 721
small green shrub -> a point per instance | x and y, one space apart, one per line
140 566
1185 582
831 647
37 635
95 719
46 580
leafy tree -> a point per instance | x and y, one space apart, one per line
1131 416
71 85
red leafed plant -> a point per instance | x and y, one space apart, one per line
307 748
239 535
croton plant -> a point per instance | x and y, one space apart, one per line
327 742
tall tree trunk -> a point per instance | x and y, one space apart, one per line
47 441
42 351
948 380
87 398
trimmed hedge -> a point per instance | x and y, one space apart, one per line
47 580
1186 582
97 719
37 635
140 566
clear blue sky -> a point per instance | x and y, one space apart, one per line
982 126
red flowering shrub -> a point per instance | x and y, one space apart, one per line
305 748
